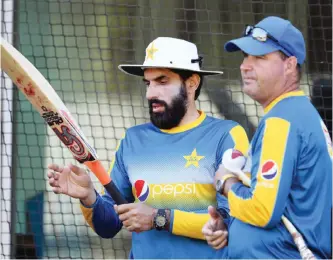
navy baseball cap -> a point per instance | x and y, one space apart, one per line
281 35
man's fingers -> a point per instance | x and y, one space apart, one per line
132 228
213 212
218 237
53 175
207 230
50 175
77 170
57 170
210 239
213 224
53 182
221 245
55 167
217 234
125 216
126 223
220 233
135 227
125 207
57 190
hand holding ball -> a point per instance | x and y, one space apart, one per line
234 161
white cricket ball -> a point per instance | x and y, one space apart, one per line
233 160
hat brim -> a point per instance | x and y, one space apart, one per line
251 46
138 70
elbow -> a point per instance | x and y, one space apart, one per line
107 229
265 221
270 218
254 210
105 220
253 215
262 218
272 223
107 233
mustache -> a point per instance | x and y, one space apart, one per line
156 101
244 77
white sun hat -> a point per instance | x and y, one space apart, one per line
170 53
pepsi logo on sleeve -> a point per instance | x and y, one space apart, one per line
269 170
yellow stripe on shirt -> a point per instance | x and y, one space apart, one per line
189 224
296 93
240 139
186 127
258 209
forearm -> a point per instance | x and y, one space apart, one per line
90 199
102 217
188 224
228 184
243 205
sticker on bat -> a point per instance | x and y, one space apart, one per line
78 132
52 118
69 119
72 142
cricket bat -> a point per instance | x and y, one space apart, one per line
45 100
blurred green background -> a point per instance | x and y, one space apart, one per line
77 45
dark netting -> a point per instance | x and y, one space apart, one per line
77 45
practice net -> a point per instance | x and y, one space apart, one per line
77 45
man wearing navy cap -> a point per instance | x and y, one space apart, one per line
289 159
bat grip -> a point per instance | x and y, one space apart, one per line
115 193
97 168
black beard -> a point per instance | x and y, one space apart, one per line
173 114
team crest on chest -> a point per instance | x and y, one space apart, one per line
193 159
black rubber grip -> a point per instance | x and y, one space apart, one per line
115 193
